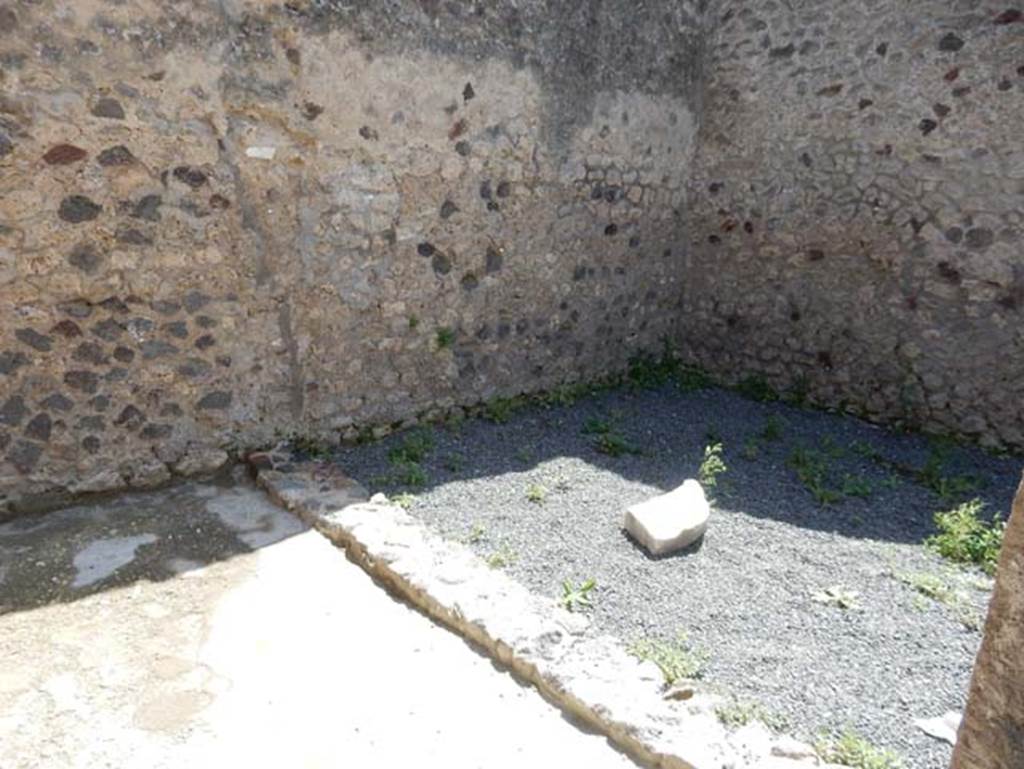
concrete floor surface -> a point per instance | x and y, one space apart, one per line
202 626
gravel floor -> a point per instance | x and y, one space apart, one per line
745 595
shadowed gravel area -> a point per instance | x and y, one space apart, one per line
537 496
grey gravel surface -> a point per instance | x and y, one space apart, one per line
743 595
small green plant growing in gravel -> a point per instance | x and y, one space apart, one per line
409 474
676 658
453 463
837 596
502 557
932 475
404 501
751 449
969 618
500 410
524 455
964 538
577 597
565 395
756 388
811 468
856 486
831 448
850 749
866 450
475 534
692 378
614 445
736 714
649 371
711 466
931 585
414 448
445 338
536 493
413 322
772 430
608 440
892 481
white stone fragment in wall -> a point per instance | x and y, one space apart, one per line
261 153
671 521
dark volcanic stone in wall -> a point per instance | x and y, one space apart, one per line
107 107
115 156
34 339
78 208
215 400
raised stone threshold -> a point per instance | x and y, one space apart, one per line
593 679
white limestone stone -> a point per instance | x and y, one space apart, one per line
671 521
261 153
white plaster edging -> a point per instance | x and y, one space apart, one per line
594 679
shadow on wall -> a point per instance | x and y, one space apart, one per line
807 468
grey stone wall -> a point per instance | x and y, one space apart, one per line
226 221
857 208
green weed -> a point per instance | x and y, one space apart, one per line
844 599
850 749
502 557
930 585
445 338
751 449
676 658
649 371
856 486
536 493
409 474
476 533
692 378
577 597
812 468
964 538
500 410
404 501
414 448
711 466
756 388
932 475
772 430
614 445
736 714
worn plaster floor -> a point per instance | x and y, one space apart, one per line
203 626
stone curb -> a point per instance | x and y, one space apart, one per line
593 679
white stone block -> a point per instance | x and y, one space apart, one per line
671 521
261 153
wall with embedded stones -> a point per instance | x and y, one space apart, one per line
223 221
857 208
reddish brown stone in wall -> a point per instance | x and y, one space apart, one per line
64 154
